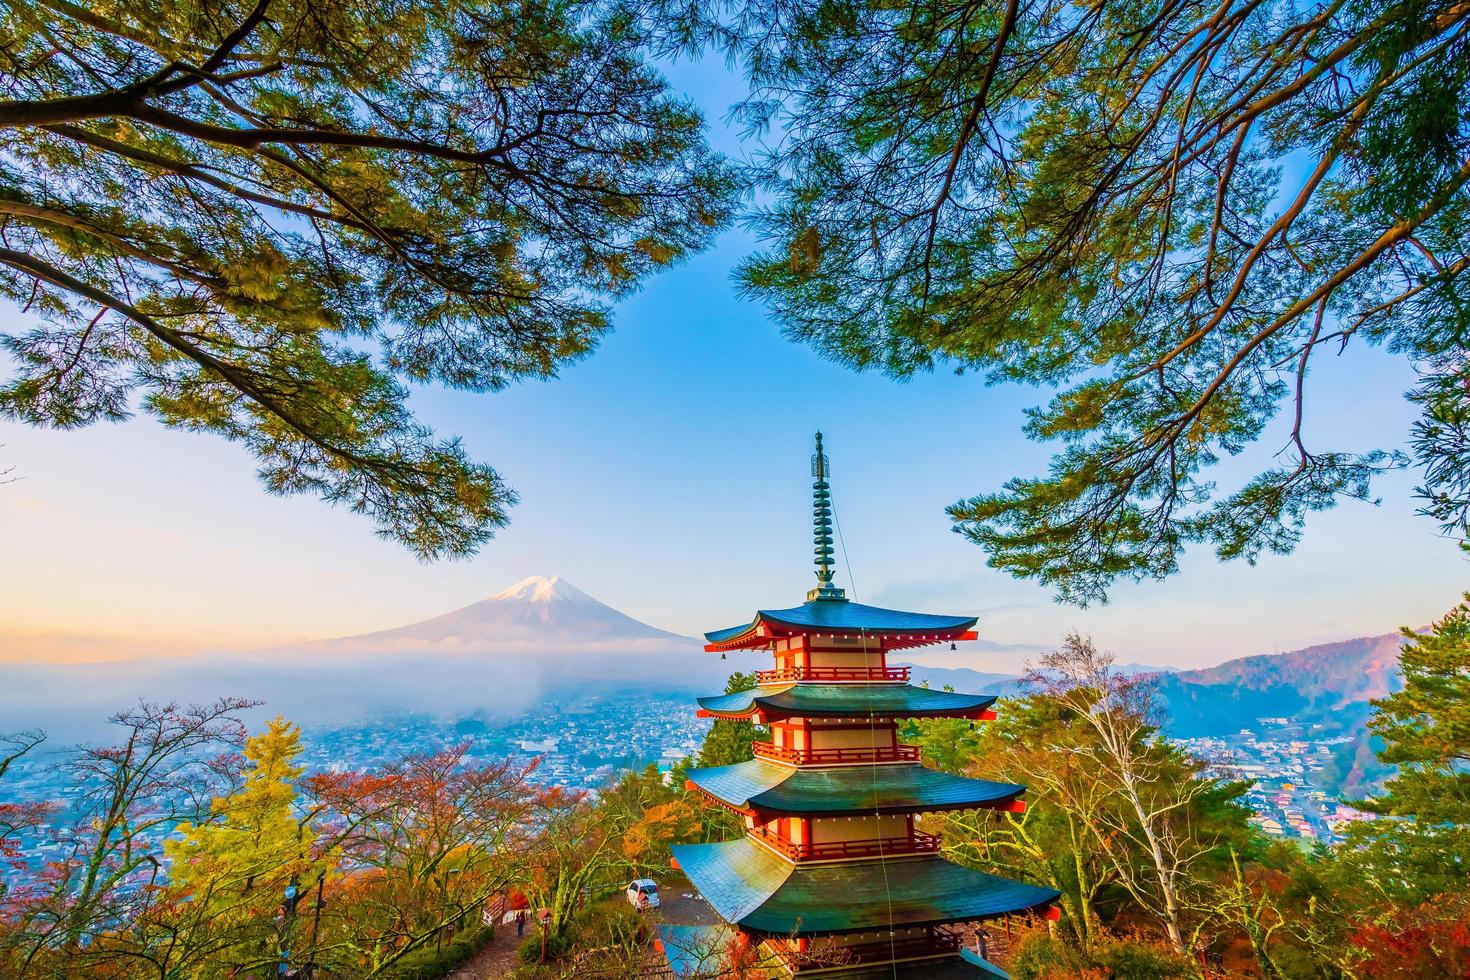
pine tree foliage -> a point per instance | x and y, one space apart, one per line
1423 849
1168 210
1426 726
263 218
728 742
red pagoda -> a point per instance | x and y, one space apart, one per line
834 876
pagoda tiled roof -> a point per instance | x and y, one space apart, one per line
953 968
770 788
804 700
753 888
698 952
839 617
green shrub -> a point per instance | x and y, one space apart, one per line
1145 961
602 925
557 945
430 963
1040 956
611 921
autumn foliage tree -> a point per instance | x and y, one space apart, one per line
426 842
1150 834
263 218
169 767
662 825
17 817
196 852
577 857
230 874
1426 942
1052 841
1117 816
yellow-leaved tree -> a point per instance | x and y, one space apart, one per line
242 884
647 842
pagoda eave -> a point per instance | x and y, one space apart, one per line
756 890
762 717
763 638
762 814
766 791
854 701
693 951
838 617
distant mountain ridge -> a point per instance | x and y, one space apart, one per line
1348 670
964 679
1328 684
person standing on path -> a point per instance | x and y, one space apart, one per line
521 923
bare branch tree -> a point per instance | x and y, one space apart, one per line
167 769
1158 787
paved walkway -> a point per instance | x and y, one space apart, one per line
681 904
685 906
492 962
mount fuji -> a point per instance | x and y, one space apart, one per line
540 615
541 638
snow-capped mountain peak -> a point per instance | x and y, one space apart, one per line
542 588
540 614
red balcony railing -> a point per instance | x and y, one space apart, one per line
839 850
824 954
835 757
831 674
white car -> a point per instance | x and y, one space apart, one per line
643 894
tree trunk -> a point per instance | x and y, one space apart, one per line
1161 867
1084 886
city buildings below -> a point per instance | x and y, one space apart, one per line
1294 794
581 745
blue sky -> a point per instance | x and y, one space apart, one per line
668 476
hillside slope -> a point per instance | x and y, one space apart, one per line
1330 684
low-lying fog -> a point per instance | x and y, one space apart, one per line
73 701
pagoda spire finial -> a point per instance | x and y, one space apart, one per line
822 527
